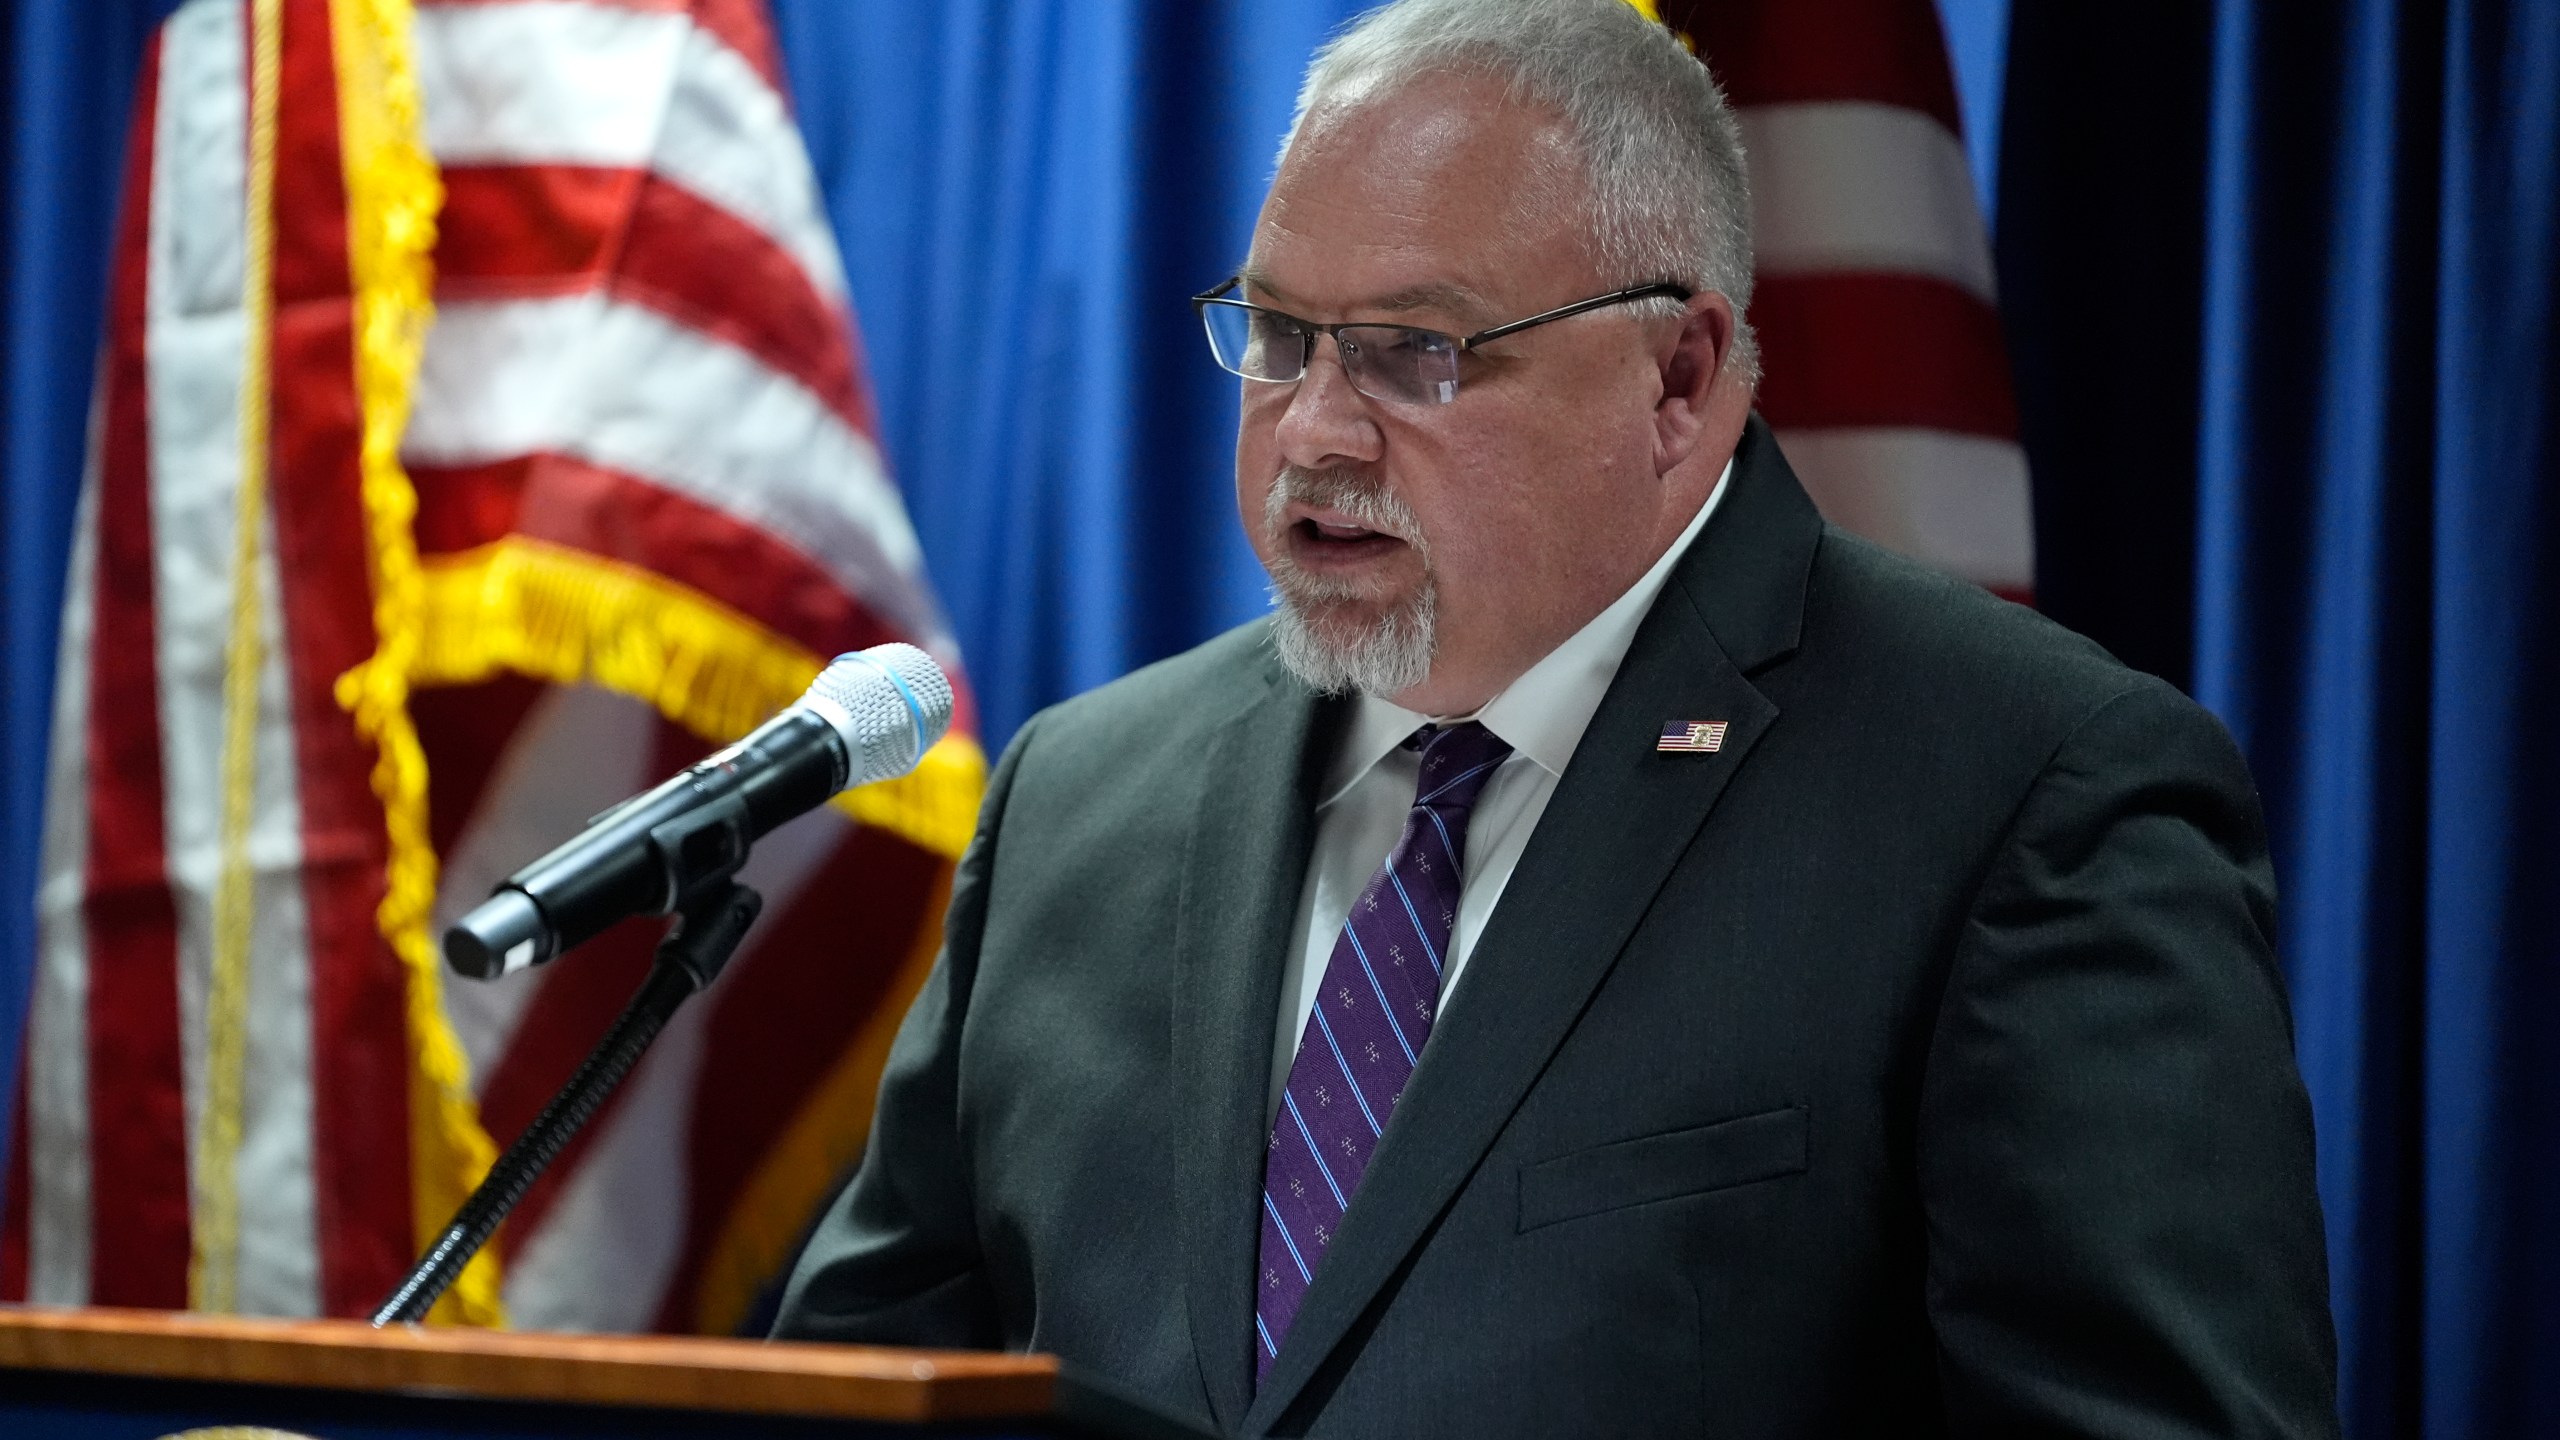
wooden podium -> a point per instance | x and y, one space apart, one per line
141 1375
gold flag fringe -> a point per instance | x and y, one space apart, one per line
570 617
393 194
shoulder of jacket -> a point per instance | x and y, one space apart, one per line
1909 625
1174 702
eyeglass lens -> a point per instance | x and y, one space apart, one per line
1384 362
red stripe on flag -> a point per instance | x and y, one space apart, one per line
465 731
742 25
137 1108
515 230
1881 350
1889 52
359 992
570 502
529 229
783 1020
13 1200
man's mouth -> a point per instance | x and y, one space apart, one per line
1334 539
1341 531
1337 529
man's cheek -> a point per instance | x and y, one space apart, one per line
1254 479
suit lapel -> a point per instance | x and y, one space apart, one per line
1618 822
1240 881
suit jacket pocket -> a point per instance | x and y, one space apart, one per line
1667 1166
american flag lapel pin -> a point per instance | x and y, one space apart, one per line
1704 736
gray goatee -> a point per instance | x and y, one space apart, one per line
1388 655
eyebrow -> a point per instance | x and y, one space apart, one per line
1445 295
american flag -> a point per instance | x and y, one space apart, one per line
1885 374
1701 735
643 370
639 500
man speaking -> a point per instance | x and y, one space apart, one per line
1611 955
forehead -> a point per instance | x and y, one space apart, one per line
1442 196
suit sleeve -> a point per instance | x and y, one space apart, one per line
2115 1152
895 1259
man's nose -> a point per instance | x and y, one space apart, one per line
1325 421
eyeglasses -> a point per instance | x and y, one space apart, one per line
1401 363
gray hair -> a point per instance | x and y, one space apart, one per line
1661 151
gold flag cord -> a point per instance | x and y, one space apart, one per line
213 1269
393 194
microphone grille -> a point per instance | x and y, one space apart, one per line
896 700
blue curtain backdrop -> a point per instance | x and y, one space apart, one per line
2280 278
2280 282
2101 255
2379 495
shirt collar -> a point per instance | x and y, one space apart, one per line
1544 712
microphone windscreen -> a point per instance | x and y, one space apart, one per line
890 703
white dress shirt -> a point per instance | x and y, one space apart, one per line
1368 790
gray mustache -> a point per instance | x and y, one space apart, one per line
1368 503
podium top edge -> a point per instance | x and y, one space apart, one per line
855 1382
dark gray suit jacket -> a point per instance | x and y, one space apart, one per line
1915 1064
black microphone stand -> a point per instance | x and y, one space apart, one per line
706 933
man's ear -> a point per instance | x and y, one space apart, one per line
1691 360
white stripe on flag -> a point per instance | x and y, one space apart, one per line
1956 501
539 81
1855 186
194 327
624 387
57 1063
542 82
200 156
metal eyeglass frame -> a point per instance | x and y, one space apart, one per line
1438 394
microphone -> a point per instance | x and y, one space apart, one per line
869 716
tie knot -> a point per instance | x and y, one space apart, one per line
1456 762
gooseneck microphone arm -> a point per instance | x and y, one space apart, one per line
705 935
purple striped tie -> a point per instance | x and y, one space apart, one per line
1381 989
